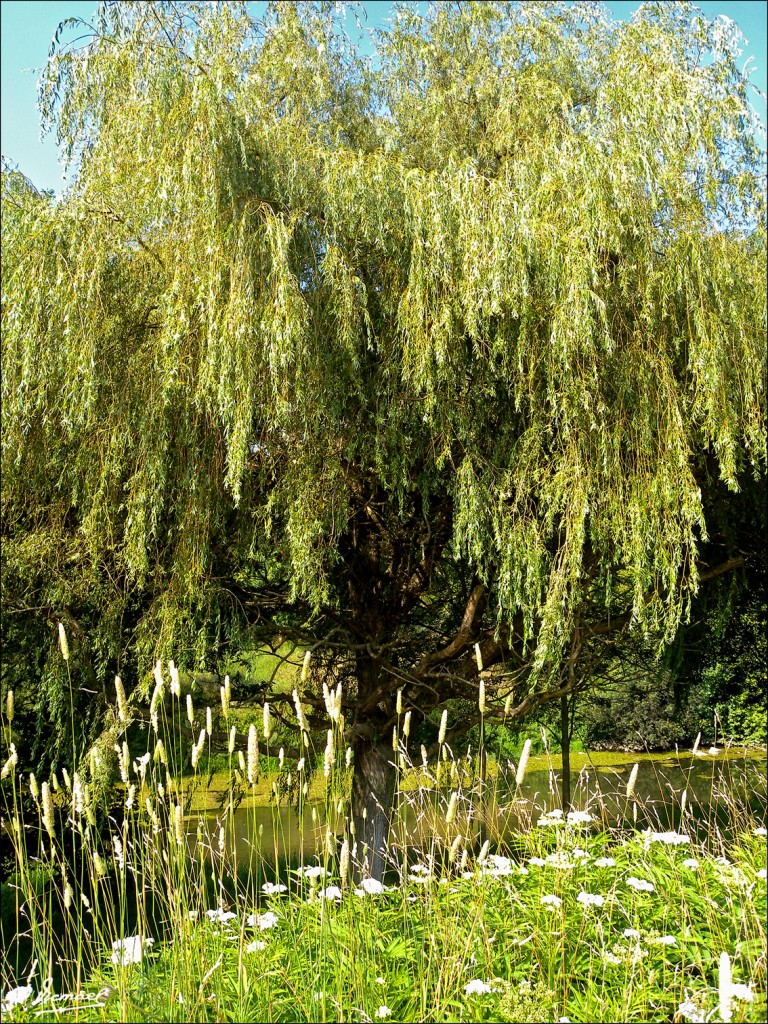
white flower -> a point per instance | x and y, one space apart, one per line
611 958
380 981
537 862
668 838
762 873
499 866
690 862
578 817
502 863
382 1012
744 992
193 915
640 884
311 871
760 831
559 861
691 1012
477 988
16 997
371 886
420 869
631 933
130 950
664 940
270 888
331 892
551 900
554 817
605 862
262 921
580 854
256 946
220 915
590 899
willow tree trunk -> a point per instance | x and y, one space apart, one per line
373 792
374 778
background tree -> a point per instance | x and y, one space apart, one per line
397 358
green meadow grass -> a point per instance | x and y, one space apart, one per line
156 914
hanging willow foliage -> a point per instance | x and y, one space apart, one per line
311 326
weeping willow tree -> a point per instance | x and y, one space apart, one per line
395 357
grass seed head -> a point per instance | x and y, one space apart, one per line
122 703
443 727
175 681
253 755
47 800
524 755
631 781
64 646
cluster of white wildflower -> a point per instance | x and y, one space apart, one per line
268 919
729 990
551 900
311 871
640 884
371 887
130 950
330 892
220 916
273 888
590 899
668 838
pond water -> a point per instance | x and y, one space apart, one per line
711 788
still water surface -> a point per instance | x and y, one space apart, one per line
710 786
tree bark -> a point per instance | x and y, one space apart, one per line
373 792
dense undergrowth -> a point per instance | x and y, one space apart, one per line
154 913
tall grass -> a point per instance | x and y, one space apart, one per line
152 911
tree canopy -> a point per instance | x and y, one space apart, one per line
422 351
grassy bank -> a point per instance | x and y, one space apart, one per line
126 919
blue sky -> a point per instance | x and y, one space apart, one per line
28 27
